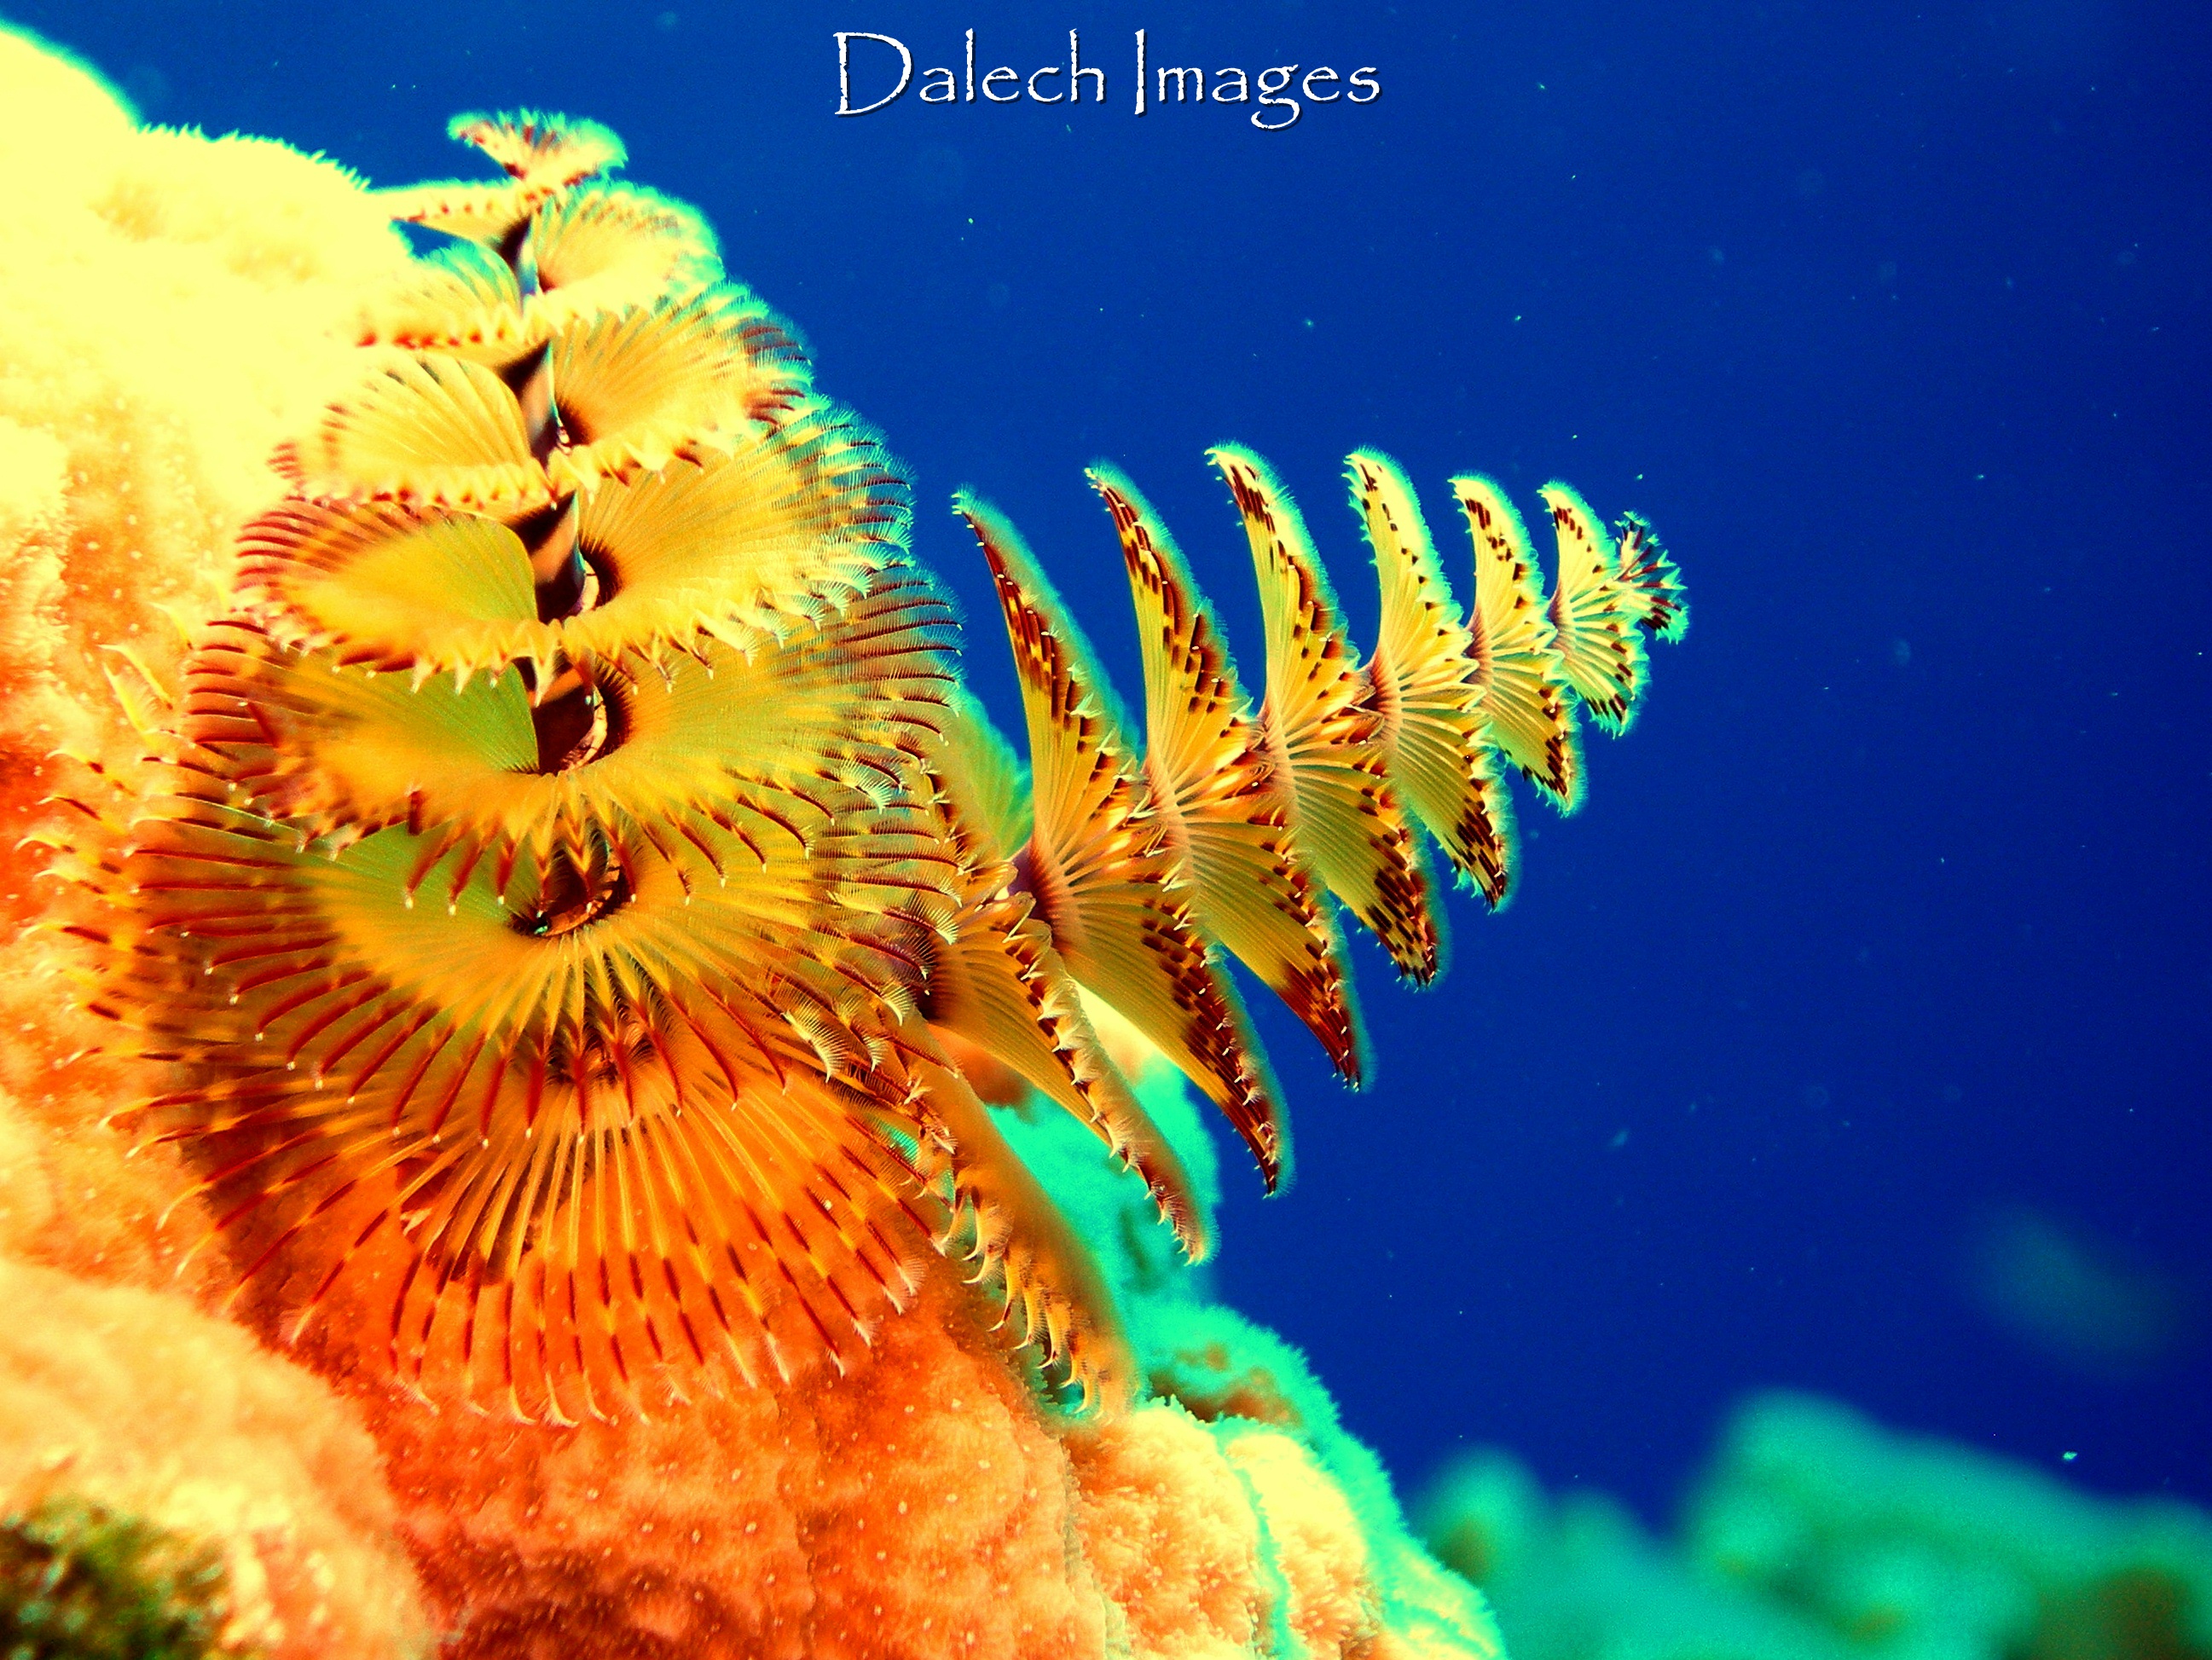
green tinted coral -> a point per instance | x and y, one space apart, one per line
1881 1535
1818 1534
79 1581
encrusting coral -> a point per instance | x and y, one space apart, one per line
573 965
163 1476
166 323
1818 1535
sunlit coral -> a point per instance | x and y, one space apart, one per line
169 310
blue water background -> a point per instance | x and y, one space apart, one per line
1891 911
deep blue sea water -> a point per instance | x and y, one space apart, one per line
1880 950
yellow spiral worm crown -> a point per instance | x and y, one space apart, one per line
577 898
